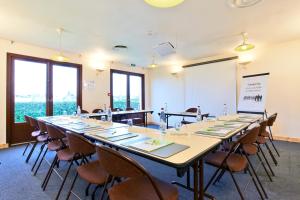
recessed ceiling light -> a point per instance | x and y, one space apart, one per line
164 3
243 3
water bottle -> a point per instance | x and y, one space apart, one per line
109 115
104 107
163 125
166 107
78 110
199 114
225 110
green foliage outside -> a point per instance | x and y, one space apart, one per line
38 109
121 103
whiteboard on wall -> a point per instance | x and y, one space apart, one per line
211 86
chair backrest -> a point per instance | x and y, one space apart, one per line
34 123
54 133
263 125
42 126
272 119
97 110
84 112
193 110
80 145
27 119
250 137
129 109
116 109
119 165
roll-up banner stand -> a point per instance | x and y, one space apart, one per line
253 93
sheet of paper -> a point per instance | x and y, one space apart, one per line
150 145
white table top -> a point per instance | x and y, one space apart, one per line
198 144
118 113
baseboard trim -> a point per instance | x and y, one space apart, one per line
287 139
4 146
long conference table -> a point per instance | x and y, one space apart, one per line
183 114
179 149
122 113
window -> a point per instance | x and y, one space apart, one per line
127 90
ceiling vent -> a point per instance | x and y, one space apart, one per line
164 49
243 3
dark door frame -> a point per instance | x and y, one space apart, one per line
10 85
128 86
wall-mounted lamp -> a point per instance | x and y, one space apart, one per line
245 58
176 70
100 70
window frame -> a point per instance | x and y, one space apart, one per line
128 74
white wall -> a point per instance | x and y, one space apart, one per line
166 88
91 98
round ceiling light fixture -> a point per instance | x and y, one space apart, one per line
244 46
243 3
164 3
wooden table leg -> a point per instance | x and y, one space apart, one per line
196 178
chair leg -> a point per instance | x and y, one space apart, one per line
211 179
87 189
236 185
94 192
38 157
219 177
271 154
73 183
270 130
105 187
31 151
64 180
254 172
274 146
260 149
257 188
45 182
27 145
39 165
262 163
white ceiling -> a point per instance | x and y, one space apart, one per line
201 28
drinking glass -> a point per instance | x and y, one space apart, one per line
177 126
129 122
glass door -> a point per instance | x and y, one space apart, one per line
30 95
38 87
135 92
119 91
64 89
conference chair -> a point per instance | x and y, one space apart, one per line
116 109
261 140
43 138
98 110
27 120
249 148
135 182
191 110
269 135
56 143
232 162
36 134
84 112
92 172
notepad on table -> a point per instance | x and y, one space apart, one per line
150 144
